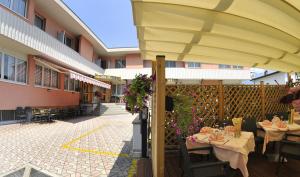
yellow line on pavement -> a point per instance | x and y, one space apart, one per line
113 154
82 136
69 147
132 169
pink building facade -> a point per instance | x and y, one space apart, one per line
39 51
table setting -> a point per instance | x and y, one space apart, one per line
229 144
276 129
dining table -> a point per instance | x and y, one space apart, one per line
235 150
273 133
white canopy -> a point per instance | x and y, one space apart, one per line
253 33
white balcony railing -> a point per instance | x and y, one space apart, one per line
184 73
15 28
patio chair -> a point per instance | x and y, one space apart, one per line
288 149
202 168
250 125
270 116
194 152
36 115
44 115
283 115
224 123
53 114
21 114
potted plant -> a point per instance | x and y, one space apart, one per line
137 93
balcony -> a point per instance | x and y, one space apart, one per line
19 30
184 73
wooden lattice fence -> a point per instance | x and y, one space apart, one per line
217 102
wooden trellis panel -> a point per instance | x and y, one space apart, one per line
237 101
242 100
205 100
273 94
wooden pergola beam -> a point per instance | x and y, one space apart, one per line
158 119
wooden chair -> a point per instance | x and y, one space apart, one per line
250 125
288 149
203 168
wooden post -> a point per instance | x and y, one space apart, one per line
221 101
153 118
158 160
263 99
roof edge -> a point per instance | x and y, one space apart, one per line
68 10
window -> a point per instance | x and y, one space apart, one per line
12 69
54 79
18 6
71 84
221 66
9 67
117 90
46 77
170 64
194 65
237 67
40 22
21 70
6 3
120 63
104 64
38 75
68 41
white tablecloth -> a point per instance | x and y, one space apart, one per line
275 134
233 150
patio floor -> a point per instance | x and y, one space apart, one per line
88 146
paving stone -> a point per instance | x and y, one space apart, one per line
41 146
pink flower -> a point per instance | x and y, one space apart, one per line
178 131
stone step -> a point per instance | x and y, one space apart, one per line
112 109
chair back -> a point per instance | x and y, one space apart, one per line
185 157
249 125
283 115
270 116
224 123
20 111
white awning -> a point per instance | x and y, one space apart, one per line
83 78
252 33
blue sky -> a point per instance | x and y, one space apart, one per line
111 20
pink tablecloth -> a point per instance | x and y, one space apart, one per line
233 150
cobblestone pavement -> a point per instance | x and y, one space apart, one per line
79 147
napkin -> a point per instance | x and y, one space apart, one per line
216 137
275 119
267 123
206 130
281 125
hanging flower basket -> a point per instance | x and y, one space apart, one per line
138 92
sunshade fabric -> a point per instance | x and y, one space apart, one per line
80 77
253 33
